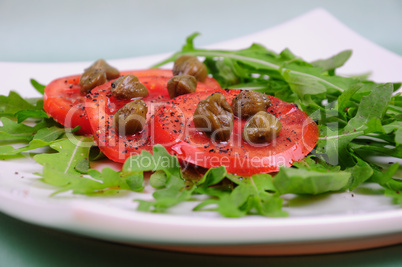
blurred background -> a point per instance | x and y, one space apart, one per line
79 30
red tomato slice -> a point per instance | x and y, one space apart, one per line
175 130
101 106
64 102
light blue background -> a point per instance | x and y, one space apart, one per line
43 31
77 30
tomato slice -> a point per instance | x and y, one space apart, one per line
101 106
64 102
175 130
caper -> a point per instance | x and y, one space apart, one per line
130 119
90 79
261 128
128 87
214 116
97 74
247 103
190 65
111 72
181 85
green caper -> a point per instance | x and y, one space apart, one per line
247 103
111 72
263 127
190 65
90 79
181 85
128 87
97 74
214 116
130 119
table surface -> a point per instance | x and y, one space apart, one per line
54 31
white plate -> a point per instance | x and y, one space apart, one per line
327 223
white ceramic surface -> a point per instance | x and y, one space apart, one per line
327 223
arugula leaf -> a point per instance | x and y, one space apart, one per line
11 130
39 133
173 191
310 181
158 179
13 103
252 195
22 115
43 137
65 169
39 87
63 162
333 62
333 143
360 173
108 181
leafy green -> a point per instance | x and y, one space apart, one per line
333 62
39 87
11 130
310 181
13 103
252 195
38 136
173 191
65 169
65 161
39 131
26 114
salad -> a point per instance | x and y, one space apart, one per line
348 119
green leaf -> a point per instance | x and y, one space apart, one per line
303 85
175 189
39 87
366 147
108 181
161 160
65 169
226 71
11 130
158 179
374 125
49 134
82 166
207 184
333 62
371 106
190 42
385 178
304 181
34 144
22 115
66 160
252 196
134 180
360 173
43 137
212 177
334 140
11 104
